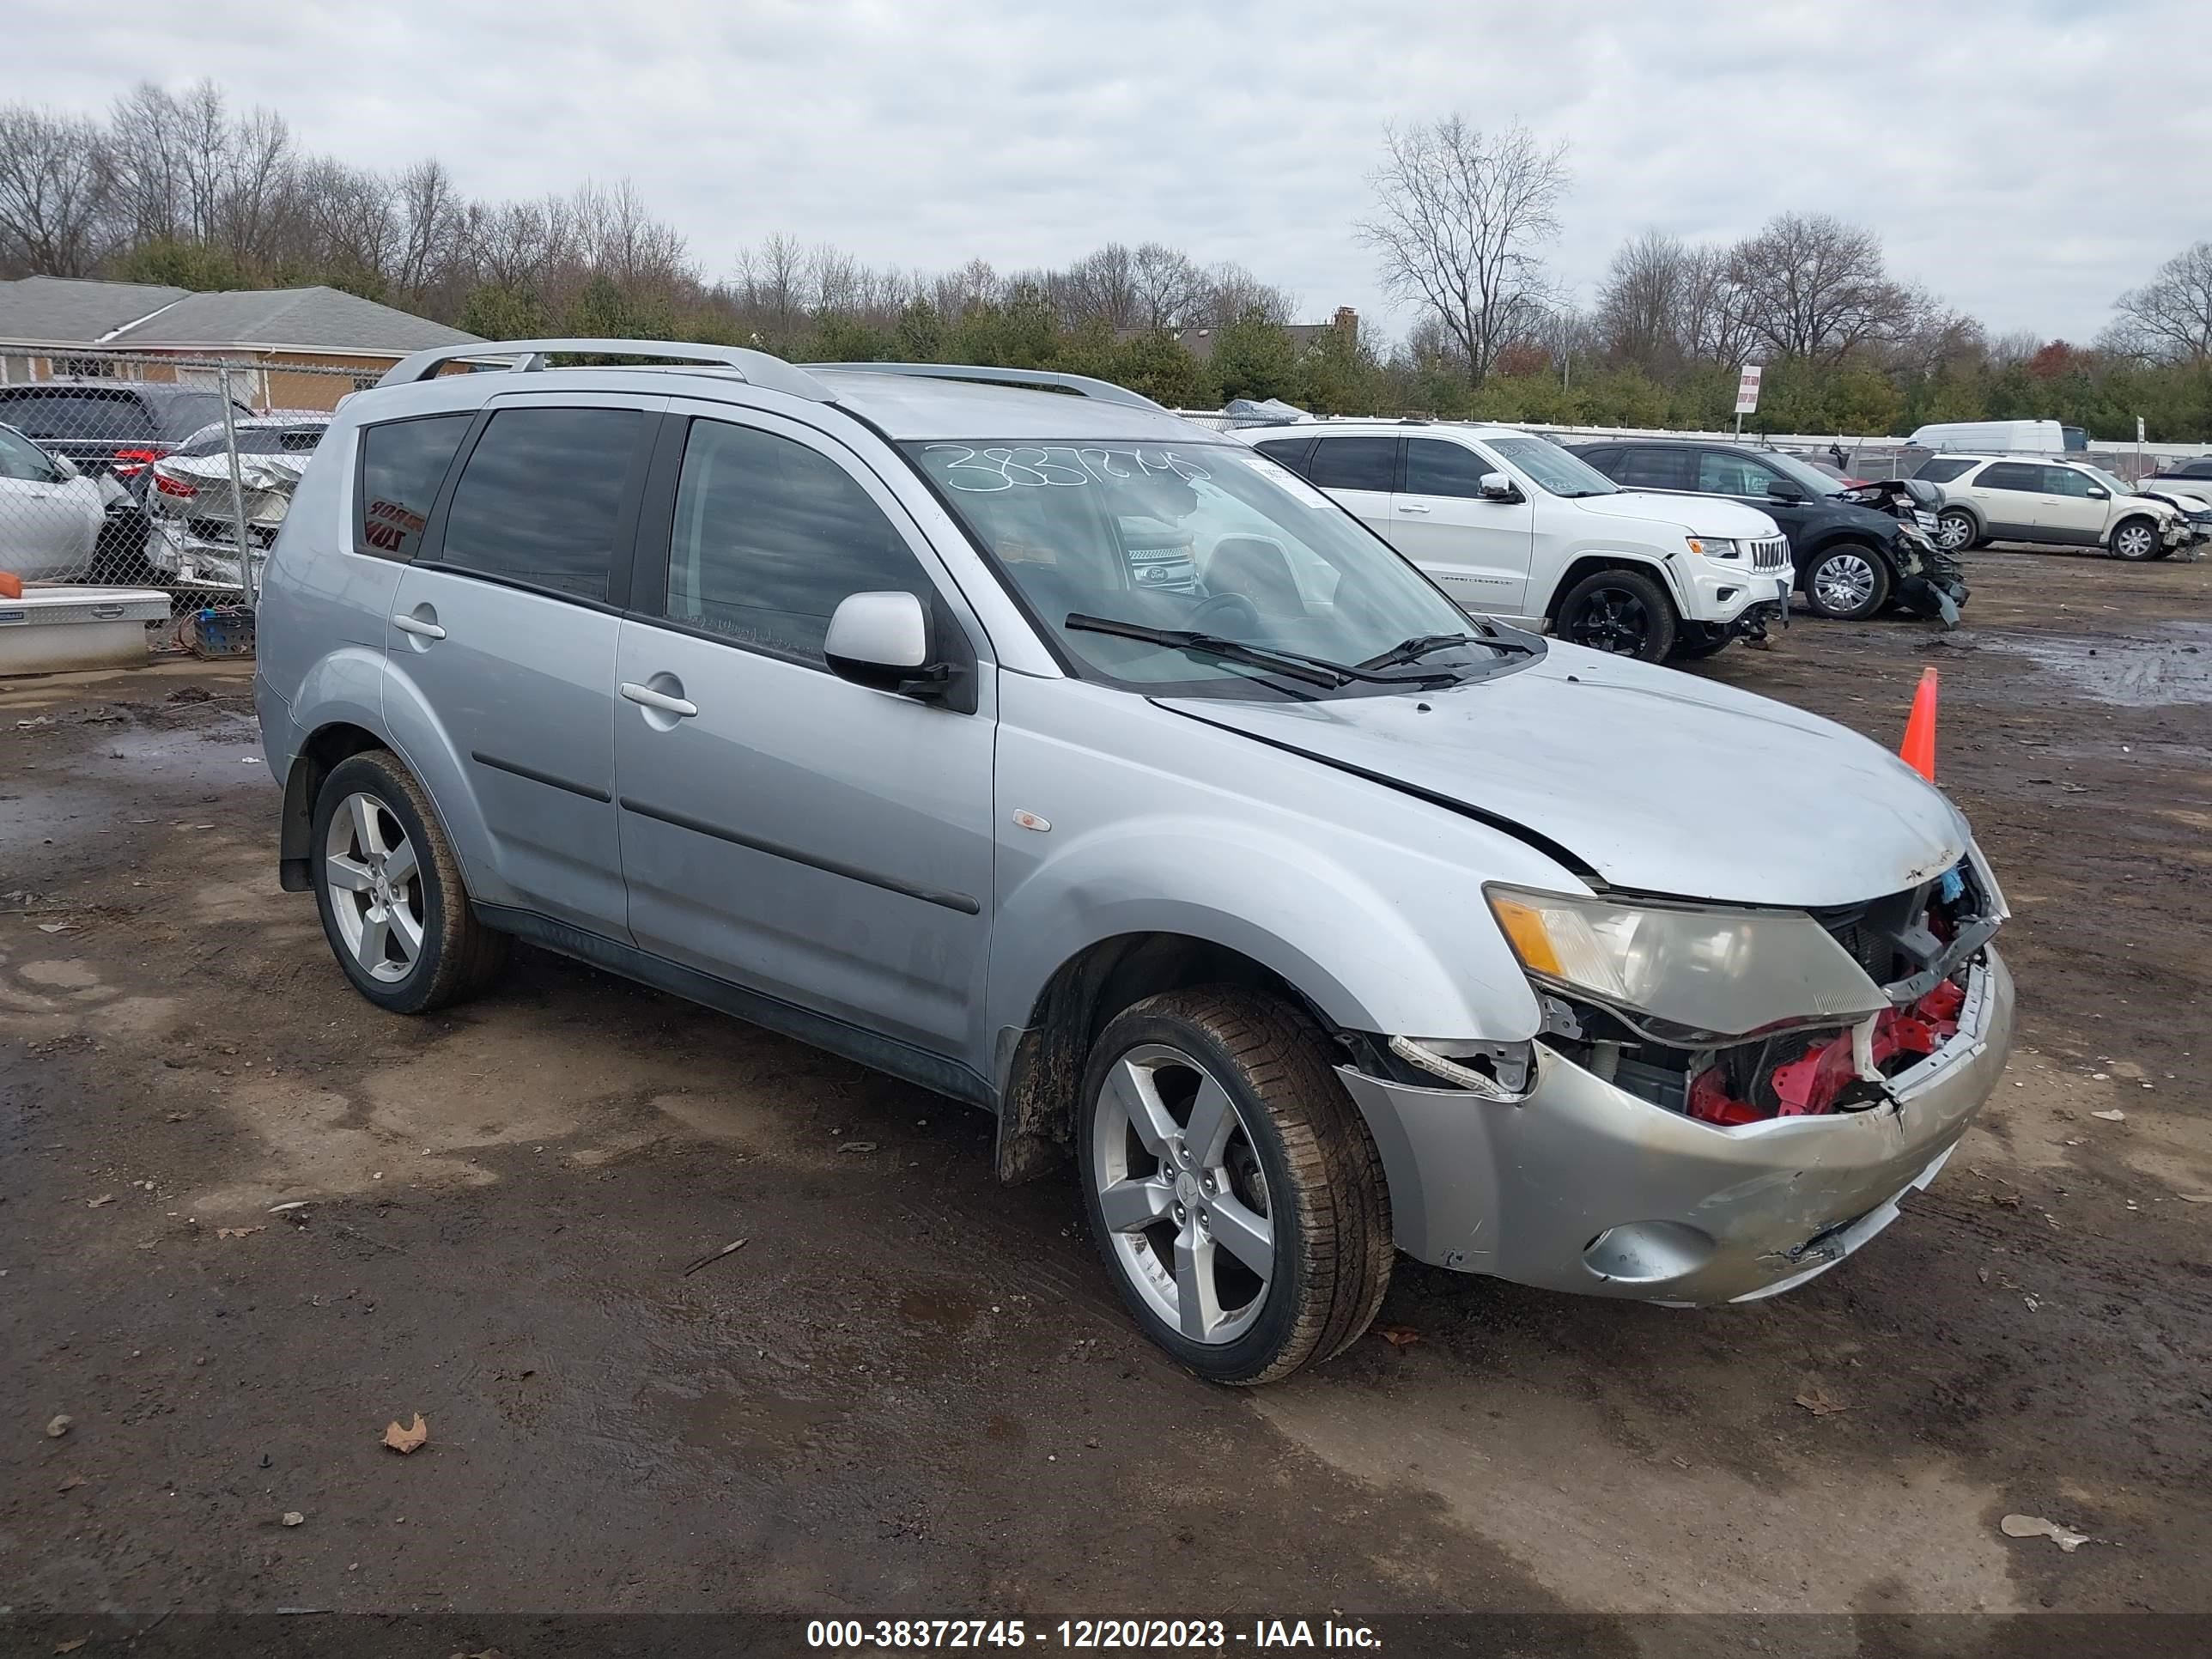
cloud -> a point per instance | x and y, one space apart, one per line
2024 162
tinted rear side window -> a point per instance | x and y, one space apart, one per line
1941 471
2012 475
74 414
769 536
1290 452
1435 466
402 464
540 498
179 417
1651 466
1354 463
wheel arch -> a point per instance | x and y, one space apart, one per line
318 757
2150 521
1589 564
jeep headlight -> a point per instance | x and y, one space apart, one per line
1687 975
1715 547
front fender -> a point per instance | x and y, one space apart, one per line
1634 557
1391 953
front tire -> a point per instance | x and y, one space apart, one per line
1232 1185
1848 582
2134 540
1621 611
389 888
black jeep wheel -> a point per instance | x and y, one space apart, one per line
1621 611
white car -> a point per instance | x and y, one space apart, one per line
1512 526
50 513
2011 498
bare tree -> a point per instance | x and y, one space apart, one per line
1459 219
1643 304
54 192
1169 286
1813 287
1232 293
2169 319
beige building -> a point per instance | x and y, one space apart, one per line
66 328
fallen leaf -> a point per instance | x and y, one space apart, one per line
2115 1115
71 1484
58 927
238 1232
59 1425
1819 1403
2034 1526
2195 1198
71 1647
292 1517
94 1203
858 1146
1398 1336
407 1439
2005 1200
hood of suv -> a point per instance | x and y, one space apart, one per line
1659 781
1694 515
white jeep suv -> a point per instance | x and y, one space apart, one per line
2011 498
1512 526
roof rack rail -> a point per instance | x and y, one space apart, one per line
1039 379
753 368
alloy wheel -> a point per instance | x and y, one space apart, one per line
2134 541
1844 582
375 882
1954 530
1181 1189
1611 619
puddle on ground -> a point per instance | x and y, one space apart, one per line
2175 666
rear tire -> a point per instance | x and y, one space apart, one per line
2134 540
1957 530
1848 582
1621 611
1213 1134
389 888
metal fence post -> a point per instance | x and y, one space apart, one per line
245 575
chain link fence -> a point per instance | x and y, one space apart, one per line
157 472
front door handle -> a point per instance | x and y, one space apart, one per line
1413 507
411 624
682 708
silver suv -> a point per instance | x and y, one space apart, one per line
1308 916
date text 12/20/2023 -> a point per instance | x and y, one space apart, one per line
1088 1635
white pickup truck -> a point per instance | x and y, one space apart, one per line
1512 526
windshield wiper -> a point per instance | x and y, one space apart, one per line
1422 645
1312 671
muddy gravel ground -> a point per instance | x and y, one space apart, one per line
911 1390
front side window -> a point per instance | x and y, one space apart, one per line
402 464
1720 473
1354 464
1290 452
539 501
24 461
1273 563
1435 467
769 536
2065 481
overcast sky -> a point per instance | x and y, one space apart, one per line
2025 160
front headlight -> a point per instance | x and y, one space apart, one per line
1687 975
1715 547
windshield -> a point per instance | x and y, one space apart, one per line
1211 539
1814 480
1551 467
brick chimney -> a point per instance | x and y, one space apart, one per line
1347 321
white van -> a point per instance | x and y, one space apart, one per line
2001 437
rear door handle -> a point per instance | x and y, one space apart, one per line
682 708
428 630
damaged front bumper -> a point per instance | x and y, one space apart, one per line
202 562
1582 1186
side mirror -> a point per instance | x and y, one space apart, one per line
1784 490
2099 493
64 466
882 640
1496 487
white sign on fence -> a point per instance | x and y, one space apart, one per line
1746 390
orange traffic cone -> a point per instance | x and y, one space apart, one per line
11 587
1918 748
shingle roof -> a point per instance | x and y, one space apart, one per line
65 311
68 311
317 319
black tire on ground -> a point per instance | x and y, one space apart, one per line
459 955
2135 539
1847 582
1623 611
1325 1194
1957 530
